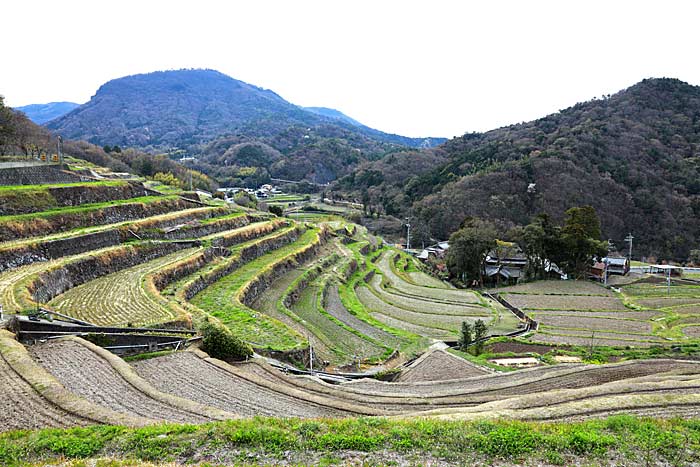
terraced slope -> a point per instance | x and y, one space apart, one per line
348 344
677 306
583 313
334 306
75 217
439 365
119 299
84 373
430 311
222 299
13 282
187 375
21 407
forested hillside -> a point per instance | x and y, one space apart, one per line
206 113
21 137
42 113
633 156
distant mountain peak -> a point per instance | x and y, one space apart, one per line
334 114
188 107
42 113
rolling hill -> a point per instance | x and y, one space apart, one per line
634 156
205 113
42 113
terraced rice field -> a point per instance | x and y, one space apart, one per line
346 345
429 326
21 407
564 302
186 375
334 306
585 314
220 300
439 365
119 299
82 372
406 288
13 282
680 305
431 312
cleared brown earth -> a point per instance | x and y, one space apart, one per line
595 324
21 407
439 365
634 315
557 287
84 373
564 302
586 341
186 375
692 331
656 303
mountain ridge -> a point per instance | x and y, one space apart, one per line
42 113
634 156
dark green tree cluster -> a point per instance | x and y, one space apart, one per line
572 246
469 247
472 337
221 343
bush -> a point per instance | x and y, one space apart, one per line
276 210
220 343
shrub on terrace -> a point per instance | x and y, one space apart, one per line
220 343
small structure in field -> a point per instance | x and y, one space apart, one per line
666 270
617 265
505 263
516 362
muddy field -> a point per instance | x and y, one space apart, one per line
440 365
564 302
587 341
595 324
186 375
84 373
21 407
334 306
556 287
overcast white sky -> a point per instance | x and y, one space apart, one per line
417 68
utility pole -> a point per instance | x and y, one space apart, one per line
190 173
605 272
59 148
408 234
629 239
668 281
311 357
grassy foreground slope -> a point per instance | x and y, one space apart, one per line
620 440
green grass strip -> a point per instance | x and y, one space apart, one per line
618 440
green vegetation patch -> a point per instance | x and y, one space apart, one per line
619 440
220 300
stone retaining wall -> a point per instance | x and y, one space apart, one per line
262 282
108 215
54 282
292 296
246 255
38 175
43 199
178 271
53 249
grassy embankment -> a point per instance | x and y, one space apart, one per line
619 440
222 300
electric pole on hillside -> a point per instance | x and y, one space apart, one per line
408 234
629 239
59 148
